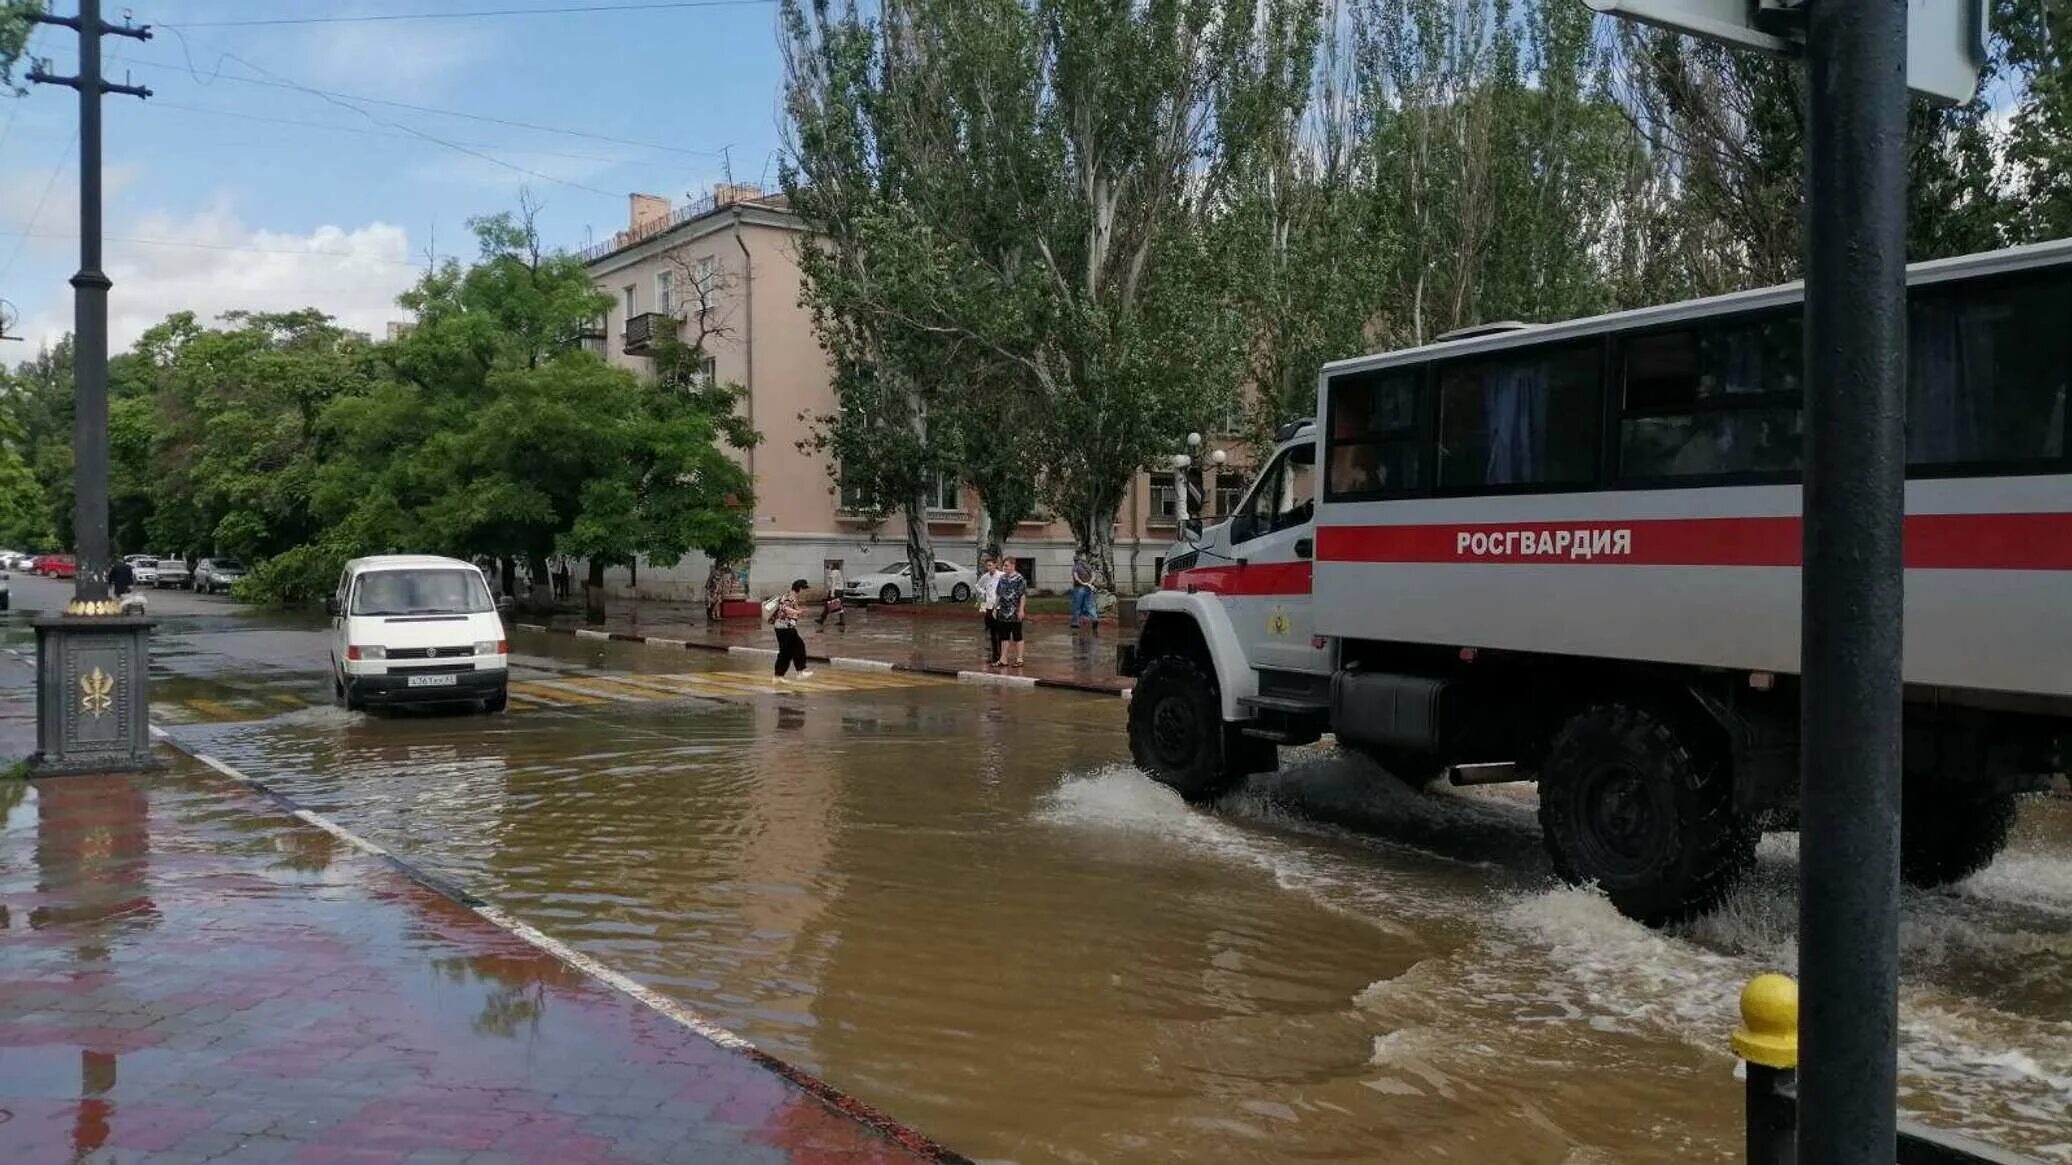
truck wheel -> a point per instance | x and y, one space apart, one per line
1947 834
1177 733
1630 804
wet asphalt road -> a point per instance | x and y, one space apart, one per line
960 903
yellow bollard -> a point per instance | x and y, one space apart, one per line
1768 1039
1769 1031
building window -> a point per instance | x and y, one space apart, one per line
1230 489
665 292
1165 501
949 494
706 374
632 308
706 275
854 499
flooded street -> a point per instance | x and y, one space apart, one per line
960 903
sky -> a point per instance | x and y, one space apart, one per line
236 187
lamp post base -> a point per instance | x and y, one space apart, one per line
92 712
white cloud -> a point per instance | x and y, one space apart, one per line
410 58
211 262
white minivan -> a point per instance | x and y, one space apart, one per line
417 629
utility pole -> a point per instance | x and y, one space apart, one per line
92 662
1849 767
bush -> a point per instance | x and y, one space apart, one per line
292 578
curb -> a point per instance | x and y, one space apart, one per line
863 1113
950 673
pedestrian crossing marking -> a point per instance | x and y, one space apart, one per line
548 692
573 690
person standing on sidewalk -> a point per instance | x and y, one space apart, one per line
988 587
791 646
833 606
121 577
1083 595
1010 604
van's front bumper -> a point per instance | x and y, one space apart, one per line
393 687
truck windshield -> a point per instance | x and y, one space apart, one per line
420 592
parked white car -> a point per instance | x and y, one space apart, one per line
171 572
143 570
417 629
892 584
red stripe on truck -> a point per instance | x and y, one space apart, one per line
2039 541
1253 578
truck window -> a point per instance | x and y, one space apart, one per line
1713 399
1986 371
1376 434
1286 495
1526 418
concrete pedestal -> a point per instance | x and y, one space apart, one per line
92 711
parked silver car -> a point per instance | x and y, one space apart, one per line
213 575
172 572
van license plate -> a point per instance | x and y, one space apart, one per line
444 680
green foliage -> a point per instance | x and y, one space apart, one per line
15 28
288 441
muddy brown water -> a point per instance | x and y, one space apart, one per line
963 905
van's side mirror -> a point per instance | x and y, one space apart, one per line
504 604
330 604
1190 530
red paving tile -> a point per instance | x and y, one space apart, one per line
179 983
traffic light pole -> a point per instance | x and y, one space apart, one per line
1849 800
92 662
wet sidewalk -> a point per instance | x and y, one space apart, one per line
937 641
190 973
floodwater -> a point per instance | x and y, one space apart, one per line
961 904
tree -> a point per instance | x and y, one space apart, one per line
15 28
2033 41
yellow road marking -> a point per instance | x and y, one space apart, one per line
551 694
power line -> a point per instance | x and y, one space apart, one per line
22 240
382 133
346 103
196 245
656 5
216 74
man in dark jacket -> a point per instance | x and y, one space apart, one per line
121 577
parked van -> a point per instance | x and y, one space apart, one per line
417 629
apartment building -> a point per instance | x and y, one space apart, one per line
724 268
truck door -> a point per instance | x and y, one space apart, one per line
1273 537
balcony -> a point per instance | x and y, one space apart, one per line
644 329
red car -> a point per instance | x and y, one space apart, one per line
57 566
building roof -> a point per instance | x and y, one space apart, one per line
688 216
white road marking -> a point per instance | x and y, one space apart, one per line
865 664
530 626
586 633
986 677
657 641
741 649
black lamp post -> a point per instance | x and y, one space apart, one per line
91 662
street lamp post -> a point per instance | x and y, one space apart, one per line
91 662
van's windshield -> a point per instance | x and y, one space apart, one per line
431 591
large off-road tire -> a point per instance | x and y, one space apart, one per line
1948 832
1177 733
1630 802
